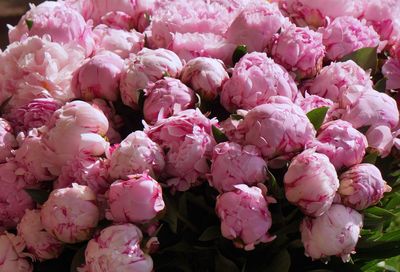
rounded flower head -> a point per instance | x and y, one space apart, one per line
255 78
38 242
70 214
300 50
165 98
205 76
135 200
13 198
117 248
381 139
256 25
312 102
7 140
11 255
62 23
233 164
244 216
136 154
146 67
99 77
362 186
344 145
337 77
391 71
277 128
311 183
340 226
345 35
314 13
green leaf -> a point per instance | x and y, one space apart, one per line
171 214
239 52
317 116
280 262
39 196
78 259
224 264
366 58
379 212
166 74
237 117
273 185
29 24
211 233
371 158
219 136
380 86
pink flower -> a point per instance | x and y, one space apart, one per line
70 214
255 78
187 139
381 139
362 186
136 154
117 248
230 128
99 77
205 76
11 255
244 216
233 164
118 41
167 97
85 170
277 128
13 198
38 242
312 102
314 13
255 26
62 23
311 182
135 200
345 35
146 67
367 107
7 140
300 50
391 71
344 145
337 77
340 226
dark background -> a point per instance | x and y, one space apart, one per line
10 12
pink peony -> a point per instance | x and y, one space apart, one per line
118 41
256 25
7 140
135 200
117 248
167 97
205 76
230 128
255 78
70 214
244 216
362 186
13 198
146 67
340 226
11 255
233 164
344 145
314 13
336 78
38 242
35 114
136 154
311 183
277 128
62 23
381 139
312 102
99 77
187 139
391 71
345 35
300 50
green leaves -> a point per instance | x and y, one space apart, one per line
380 85
29 24
317 116
366 58
211 233
239 52
219 136
39 196
78 259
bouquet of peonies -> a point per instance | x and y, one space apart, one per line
201 135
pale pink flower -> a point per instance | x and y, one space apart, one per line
11 254
391 71
7 140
